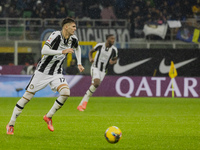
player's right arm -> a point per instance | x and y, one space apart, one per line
91 59
48 51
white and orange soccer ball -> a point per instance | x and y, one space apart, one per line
113 134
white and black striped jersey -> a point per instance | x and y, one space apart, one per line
52 64
103 55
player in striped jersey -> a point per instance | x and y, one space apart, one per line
106 54
49 71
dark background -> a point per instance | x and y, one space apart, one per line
127 56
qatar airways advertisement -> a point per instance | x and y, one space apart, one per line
112 86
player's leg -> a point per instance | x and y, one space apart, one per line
96 81
64 92
37 82
18 110
20 106
89 93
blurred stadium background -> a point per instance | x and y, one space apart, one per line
136 93
164 32
150 30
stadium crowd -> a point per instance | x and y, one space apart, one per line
97 9
137 12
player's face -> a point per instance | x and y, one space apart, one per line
71 28
111 40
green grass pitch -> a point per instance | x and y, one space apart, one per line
146 124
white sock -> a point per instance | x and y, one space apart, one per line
17 110
56 106
88 94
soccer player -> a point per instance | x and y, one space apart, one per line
106 54
49 71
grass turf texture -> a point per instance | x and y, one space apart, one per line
146 123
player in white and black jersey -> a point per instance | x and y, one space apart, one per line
49 71
52 61
106 53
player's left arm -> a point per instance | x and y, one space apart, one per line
78 57
114 58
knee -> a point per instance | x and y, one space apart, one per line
28 95
64 91
96 83
64 94
25 99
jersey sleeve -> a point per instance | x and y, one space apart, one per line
74 42
47 51
96 47
78 55
77 48
114 52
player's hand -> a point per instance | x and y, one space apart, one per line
112 62
69 50
91 60
81 68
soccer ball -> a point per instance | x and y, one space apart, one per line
113 134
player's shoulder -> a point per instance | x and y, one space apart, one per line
56 33
74 40
114 47
100 44
74 37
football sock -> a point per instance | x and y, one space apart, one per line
56 106
88 94
17 110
